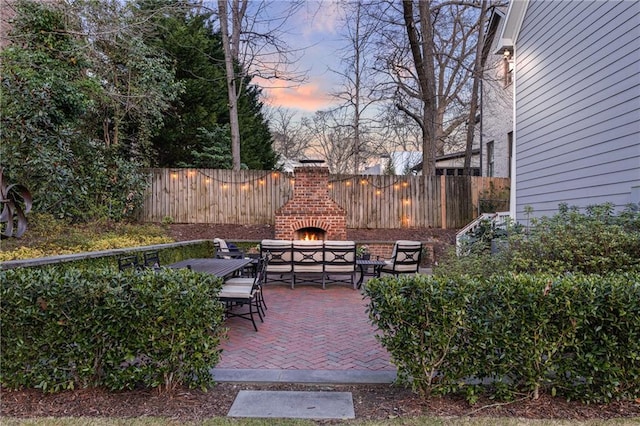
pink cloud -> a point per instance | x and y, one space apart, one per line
309 97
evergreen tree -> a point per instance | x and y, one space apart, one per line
197 121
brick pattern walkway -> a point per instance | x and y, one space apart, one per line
306 329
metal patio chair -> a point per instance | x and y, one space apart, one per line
257 279
280 260
223 251
405 258
129 262
238 292
339 262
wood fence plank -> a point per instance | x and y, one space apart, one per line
371 201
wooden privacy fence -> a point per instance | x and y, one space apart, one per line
251 197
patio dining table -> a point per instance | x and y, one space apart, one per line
219 267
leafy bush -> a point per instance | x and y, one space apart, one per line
61 134
421 319
64 328
574 335
596 241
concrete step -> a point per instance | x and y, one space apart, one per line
293 405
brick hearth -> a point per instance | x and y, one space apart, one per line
311 207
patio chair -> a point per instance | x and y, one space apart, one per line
258 278
339 262
405 258
308 260
129 262
280 260
239 294
151 259
224 251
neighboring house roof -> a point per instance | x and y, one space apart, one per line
288 165
497 15
455 155
444 160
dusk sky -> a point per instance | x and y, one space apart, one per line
315 31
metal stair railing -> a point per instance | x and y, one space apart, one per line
497 218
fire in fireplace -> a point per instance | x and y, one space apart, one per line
310 234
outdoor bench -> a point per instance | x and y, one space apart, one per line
313 261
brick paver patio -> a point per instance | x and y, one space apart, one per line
307 329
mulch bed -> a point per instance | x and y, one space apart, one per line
376 402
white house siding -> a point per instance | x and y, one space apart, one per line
497 110
577 105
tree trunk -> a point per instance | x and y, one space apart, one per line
477 76
356 106
229 57
421 44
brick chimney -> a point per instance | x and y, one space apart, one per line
311 207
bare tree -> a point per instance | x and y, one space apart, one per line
289 136
253 44
357 94
477 77
331 139
426 50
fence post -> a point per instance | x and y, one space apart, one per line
443 201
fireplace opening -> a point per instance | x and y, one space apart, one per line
310 234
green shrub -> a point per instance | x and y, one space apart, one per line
422 321
64 328
593 242
572 335
478 264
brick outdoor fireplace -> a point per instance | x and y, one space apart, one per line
311 213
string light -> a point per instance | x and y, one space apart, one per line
190 173
347 180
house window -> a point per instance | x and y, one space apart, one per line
490 159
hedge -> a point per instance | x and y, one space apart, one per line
64 328
573 335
